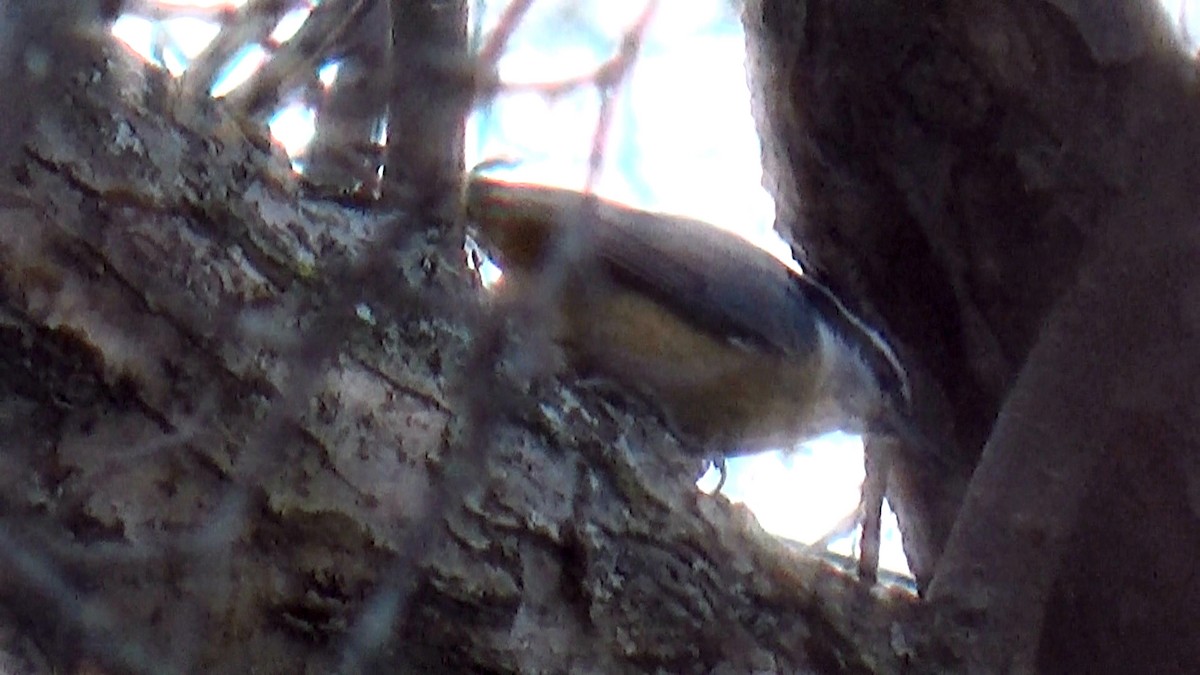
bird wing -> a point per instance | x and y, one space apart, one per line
714 278
730 287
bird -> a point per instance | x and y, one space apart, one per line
739 351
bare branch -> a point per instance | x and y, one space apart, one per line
497 42
430 93
251 23
296 61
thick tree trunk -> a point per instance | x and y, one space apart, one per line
1006 186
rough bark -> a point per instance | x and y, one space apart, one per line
1003 186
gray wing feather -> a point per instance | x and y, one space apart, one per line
734 289
718 280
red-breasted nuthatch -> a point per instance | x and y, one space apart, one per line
741 353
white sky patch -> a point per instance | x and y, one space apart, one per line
611 17
798 494
527 65
328 73
174 63
294 127
290 24
192 35
136 32
1186 15
184 38
241 68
